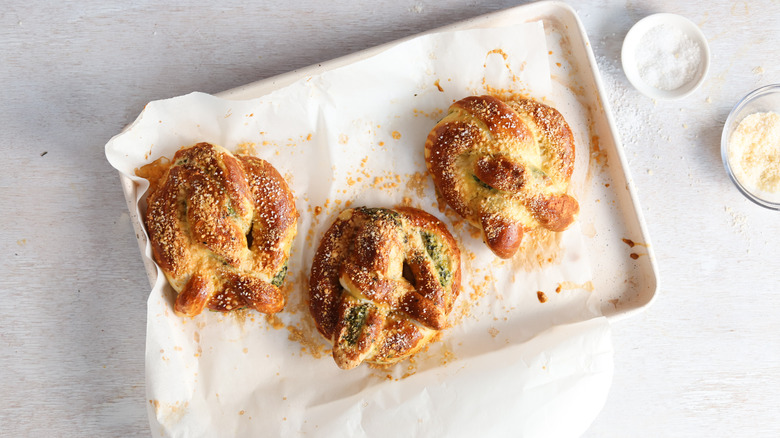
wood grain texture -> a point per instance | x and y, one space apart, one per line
704 360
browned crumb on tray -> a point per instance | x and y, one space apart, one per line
478 287
457 221
507 64
632 244
436 114
597 154
447 355
311 341
568 285
503 93
153 172
246 148
167 409
274 321
411 368
417 182
542 248
240 315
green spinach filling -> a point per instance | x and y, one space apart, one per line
481 183
382 214
355 320
279 277
435 251
538 173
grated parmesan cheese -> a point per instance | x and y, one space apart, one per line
754 151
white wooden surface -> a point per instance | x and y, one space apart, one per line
704 360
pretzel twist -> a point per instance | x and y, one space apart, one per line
221 228
505 166
383 282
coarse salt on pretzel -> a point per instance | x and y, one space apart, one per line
382 284
505 166
221 227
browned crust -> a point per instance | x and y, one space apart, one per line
497 116
556 140
505 166
199 219
502 235
357 275
275 218
445 144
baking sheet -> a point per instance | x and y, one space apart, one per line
576 306
626 272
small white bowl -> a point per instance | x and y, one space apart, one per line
632 43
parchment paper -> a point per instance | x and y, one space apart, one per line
510 365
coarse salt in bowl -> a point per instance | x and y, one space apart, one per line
750 146
665 56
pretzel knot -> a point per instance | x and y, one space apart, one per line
382 284
221 227
504 166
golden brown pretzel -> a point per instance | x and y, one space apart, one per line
504 166
382 283
221 227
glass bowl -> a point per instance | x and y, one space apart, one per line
761 100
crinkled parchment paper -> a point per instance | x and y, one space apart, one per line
510 364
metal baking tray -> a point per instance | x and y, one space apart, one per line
625 272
